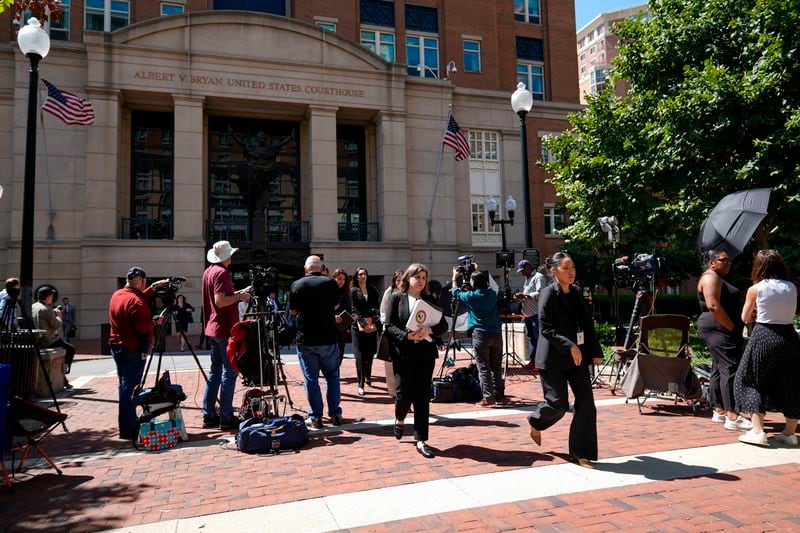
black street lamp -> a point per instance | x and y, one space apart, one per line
34 43
522 103
511 207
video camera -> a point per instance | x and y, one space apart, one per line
637 271
262 279
464 269
168 292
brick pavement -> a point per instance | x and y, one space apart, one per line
107 485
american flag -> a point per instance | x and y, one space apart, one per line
71 109
455 139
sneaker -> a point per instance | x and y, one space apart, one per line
336 420
788 440
313 422
751 437
231 423
361 391
740 424
210 422
718 418
485 403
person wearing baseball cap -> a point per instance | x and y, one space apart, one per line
221 311
130 338
535 281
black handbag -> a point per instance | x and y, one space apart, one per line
386 349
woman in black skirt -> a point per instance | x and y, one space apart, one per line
366 302
769 374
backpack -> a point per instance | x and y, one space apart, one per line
467 383
273 435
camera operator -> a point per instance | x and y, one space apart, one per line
535 281
484 325
49 320
220 310
131 336
8 304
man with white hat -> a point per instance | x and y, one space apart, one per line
221 312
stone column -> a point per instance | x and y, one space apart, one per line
188 153
103 178
322 169
392 179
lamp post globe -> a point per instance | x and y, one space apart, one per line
522 103
34 43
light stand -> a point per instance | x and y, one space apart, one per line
34 43
522 103
610 224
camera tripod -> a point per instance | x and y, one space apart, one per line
267 320
453 346
510 354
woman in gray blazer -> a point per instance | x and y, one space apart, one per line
567 346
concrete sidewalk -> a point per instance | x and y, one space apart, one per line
665 469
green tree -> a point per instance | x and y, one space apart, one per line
5 4
713 107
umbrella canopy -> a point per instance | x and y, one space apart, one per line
731 224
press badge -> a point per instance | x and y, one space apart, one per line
579 340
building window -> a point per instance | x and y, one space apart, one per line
377 13
484 172
327 26
351 185
253 181
553 220
422 51
527 11
379 42
171 9
532 75
59 30
274 7
530 49
598 80
472 56
483 145
424 19
152 180
107 15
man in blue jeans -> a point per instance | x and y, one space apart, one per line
220 309
130 339
535 281
313 300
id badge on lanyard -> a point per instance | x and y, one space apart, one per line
579 340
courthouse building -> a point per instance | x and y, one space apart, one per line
287 127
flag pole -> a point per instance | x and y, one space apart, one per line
429 220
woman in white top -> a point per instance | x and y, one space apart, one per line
768 377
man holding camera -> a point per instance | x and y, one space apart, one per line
221 311
535 281
313 299
48 319
484 325
130 338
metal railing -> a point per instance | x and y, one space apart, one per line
145 228
276 232
359 231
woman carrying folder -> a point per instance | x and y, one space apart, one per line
414 355
366 302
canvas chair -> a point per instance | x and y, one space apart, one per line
32 423
662 362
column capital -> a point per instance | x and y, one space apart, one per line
319 110
381 116
188 100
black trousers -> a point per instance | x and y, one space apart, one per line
69 349
583 430
365 346
413 376
726 352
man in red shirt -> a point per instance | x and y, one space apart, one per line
221 312
130 339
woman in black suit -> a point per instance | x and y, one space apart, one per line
366 301
414 356
342 279
567 346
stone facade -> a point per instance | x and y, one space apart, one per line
204 64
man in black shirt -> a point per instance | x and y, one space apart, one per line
313 301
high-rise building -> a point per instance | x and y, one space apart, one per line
288 127
597 47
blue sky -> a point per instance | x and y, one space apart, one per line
586 10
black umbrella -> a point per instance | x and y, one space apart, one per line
731 224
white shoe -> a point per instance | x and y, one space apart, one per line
751 437
716 417
788 440
740 424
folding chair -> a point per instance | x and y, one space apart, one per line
662 364
33 423
5 439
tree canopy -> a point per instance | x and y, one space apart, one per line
713 108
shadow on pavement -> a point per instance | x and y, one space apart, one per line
662 470
490 455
